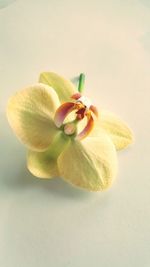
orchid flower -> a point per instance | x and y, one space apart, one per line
65 135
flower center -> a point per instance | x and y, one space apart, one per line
83 108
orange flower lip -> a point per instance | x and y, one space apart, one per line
62 112
83 109
87 129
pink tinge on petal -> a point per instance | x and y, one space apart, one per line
94 110
62 112
88 128
76 96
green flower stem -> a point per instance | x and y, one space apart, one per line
58 145
81 82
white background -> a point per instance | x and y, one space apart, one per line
49 223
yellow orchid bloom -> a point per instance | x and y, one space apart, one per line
64 135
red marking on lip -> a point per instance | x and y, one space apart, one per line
81 113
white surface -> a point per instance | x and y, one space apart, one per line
49 223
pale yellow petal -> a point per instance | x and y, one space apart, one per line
118 130
42 165
63 87
91 164
30 113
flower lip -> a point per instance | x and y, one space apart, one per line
62 112
84 102
87 129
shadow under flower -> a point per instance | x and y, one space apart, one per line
5 3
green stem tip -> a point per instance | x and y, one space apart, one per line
81 82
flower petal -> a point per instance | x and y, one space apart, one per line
87 129
63 87
94 110
117 130
91 165
41 165
62 112
76 96
44 164
30 113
